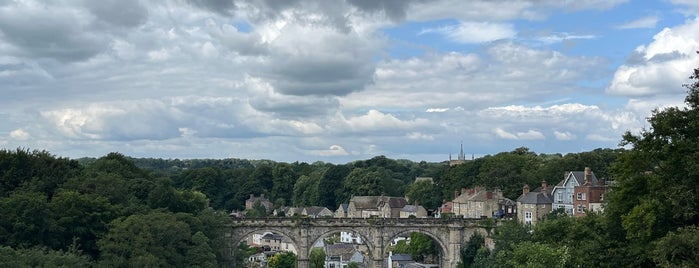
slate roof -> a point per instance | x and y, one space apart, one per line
410 208
374 202
401 257
579 176
315 210
534 197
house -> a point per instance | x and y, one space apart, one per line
477 203
340 255
272 242
398 260
508 209
534 205
350 238
589 196
341 211
375 206
415 211
311 212
564 195
250 202
317 212
445 209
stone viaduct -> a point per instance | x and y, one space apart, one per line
377 233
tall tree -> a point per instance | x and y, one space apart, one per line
330 185
656 188
317 258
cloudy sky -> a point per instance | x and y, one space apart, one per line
337 81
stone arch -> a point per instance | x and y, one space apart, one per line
365 238
442 245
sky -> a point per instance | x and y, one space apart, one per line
337 81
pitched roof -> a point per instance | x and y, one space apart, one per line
401 257
410 208
579 177
315 210
373 202
534 197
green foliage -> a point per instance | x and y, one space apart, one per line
352 265
37 257
472 250
534 255
283 260
422 247
678 248
317 258
424 193
508 234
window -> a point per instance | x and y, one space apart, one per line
582 196
528 217
559 197
581 208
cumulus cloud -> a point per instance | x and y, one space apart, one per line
563 135
334 150
661 66
419 136
20 135
525 135
560 37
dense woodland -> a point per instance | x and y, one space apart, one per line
117 211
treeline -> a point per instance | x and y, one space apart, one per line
229 182
55 212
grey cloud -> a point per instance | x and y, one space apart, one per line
663 57
125 13
320 76
395 10
294 107
223 7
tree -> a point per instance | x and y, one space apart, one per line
422 247
317 258
39 257
283 260
330 185
656 190
149 240
678 248
200 254
424 193
283 181
470 251
352 265
534 255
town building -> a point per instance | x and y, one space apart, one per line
250 202
534 205
477 203
341 255
589 196
350 238
375 206
413 211
564 194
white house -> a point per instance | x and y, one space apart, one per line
350 238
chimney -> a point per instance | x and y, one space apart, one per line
262 196
456 194
544 185
588 175
251 196
525 189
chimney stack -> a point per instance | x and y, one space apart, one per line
588 175
544 185
251 196
525 189
456 194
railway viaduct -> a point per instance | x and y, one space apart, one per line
377 233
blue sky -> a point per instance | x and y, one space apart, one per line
337 80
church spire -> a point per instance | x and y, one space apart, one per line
462 156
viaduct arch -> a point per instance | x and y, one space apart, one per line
449 234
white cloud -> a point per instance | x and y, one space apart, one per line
563 135
602 138
647 22
419 136
20 135
475 32
436 110
662 66
560 37
334 150
527 135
